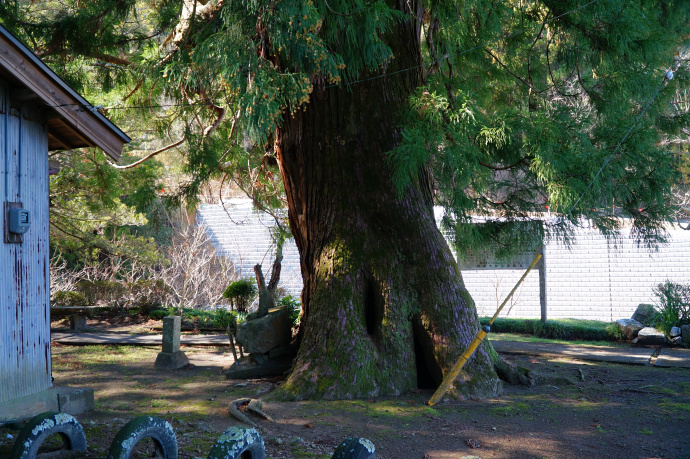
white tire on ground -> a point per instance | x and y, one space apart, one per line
238 442
155 428
355 448
39 428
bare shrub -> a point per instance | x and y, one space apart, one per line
188 274
61 278
194 273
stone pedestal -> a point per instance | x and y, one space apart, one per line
77 321
259 336
651 336
247 368
171 357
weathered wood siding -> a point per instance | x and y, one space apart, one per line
25 367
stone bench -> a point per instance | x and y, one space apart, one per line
77 314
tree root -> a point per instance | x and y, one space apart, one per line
255 407
510 373
515 375
236 407
520 376
234 410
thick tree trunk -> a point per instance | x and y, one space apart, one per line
385 309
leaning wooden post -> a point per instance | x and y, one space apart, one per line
542 284
481 334
230 332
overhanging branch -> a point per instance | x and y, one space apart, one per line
136 163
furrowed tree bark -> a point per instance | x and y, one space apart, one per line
385 309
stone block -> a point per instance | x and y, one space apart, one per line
172 328
685 334
259 359
279 351
675 331
260 335
649 335
629 327
669 357
28 406
75 400
77 321
171 360
644 313
63 399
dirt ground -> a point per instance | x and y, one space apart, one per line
609 410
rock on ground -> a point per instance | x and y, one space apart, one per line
650 335
629 327
643 313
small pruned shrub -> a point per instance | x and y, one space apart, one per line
224 318
158 314
240 293
197 318
102 291
673 305
63 298
565 329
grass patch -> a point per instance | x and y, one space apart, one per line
660 389
300 453
198 444
534 339
106 354
673 406
512 409
560 329
684 388
394 409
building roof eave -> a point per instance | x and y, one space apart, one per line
80 124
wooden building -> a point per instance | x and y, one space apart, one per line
38 113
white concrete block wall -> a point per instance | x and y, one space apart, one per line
577 278
606 281
246 240
593 279
489 288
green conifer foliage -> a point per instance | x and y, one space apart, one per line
525 103
522 103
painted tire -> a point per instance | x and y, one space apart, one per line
355 448
157 429
43 426
238 442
